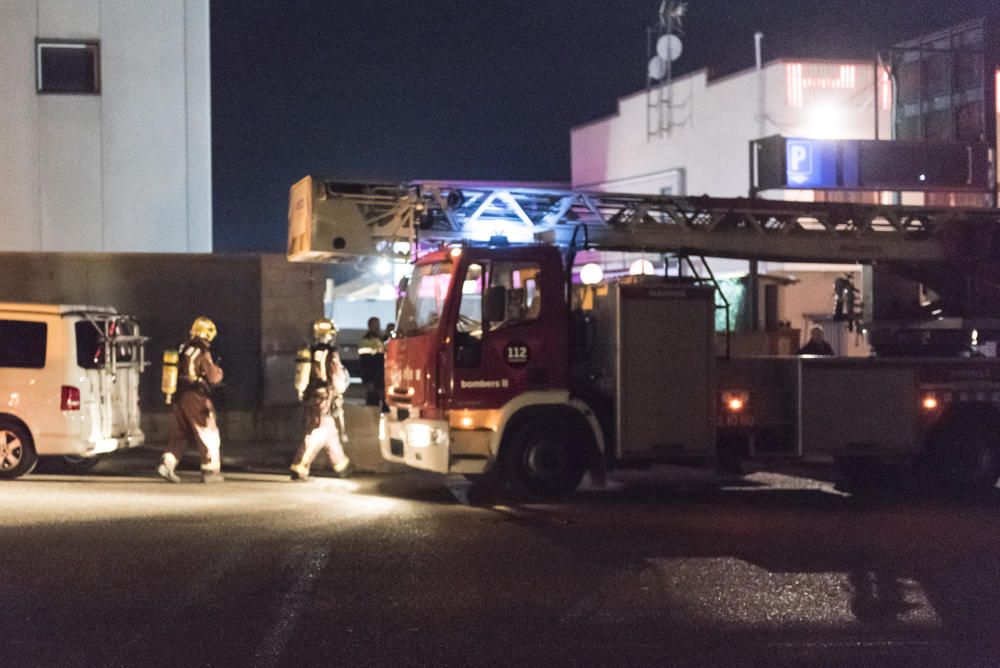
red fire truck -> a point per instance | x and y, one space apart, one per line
505 360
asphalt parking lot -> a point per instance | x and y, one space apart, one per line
665 566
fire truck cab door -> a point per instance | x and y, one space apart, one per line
517 342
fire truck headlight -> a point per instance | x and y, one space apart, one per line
419 435
424 435
735 402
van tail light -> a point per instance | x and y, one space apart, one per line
70 400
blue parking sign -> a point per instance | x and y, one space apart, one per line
810 163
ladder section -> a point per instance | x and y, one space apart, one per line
435 212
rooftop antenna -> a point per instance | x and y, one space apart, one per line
663 47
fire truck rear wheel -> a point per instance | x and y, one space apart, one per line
963 456
542 460
17 449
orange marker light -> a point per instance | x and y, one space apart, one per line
930 403
735 402
466 422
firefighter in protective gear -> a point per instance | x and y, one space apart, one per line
194 414
322 397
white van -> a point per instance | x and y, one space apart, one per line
69 384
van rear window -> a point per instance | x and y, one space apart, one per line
90 350
22 344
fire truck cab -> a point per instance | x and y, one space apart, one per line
481 351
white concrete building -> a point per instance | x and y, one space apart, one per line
105 126
712 121
703 149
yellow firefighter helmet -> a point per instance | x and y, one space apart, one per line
204 329
324 328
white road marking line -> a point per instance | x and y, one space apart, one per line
310 564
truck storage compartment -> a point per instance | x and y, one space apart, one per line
858 407
664 361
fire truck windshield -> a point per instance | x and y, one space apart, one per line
424 302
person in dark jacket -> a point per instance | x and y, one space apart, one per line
371 355
817 344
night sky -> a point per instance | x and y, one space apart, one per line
470 89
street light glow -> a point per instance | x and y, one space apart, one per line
591 274
641 267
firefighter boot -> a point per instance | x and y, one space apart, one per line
300 472
344 469
166 468
209 476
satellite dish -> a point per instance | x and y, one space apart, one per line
669 47
657 68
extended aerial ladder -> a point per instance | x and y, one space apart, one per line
953 252
333 220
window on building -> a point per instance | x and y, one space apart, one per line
22 344
66 66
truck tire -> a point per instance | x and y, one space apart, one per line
963 456
541 459
730 453
17 450
865 475
69 463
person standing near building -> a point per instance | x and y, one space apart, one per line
371 355
817 344
321 380
194 415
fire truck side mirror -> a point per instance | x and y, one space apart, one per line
404 284
495 304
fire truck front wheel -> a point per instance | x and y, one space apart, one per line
541 458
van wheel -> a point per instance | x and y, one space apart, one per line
17 451
541 460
